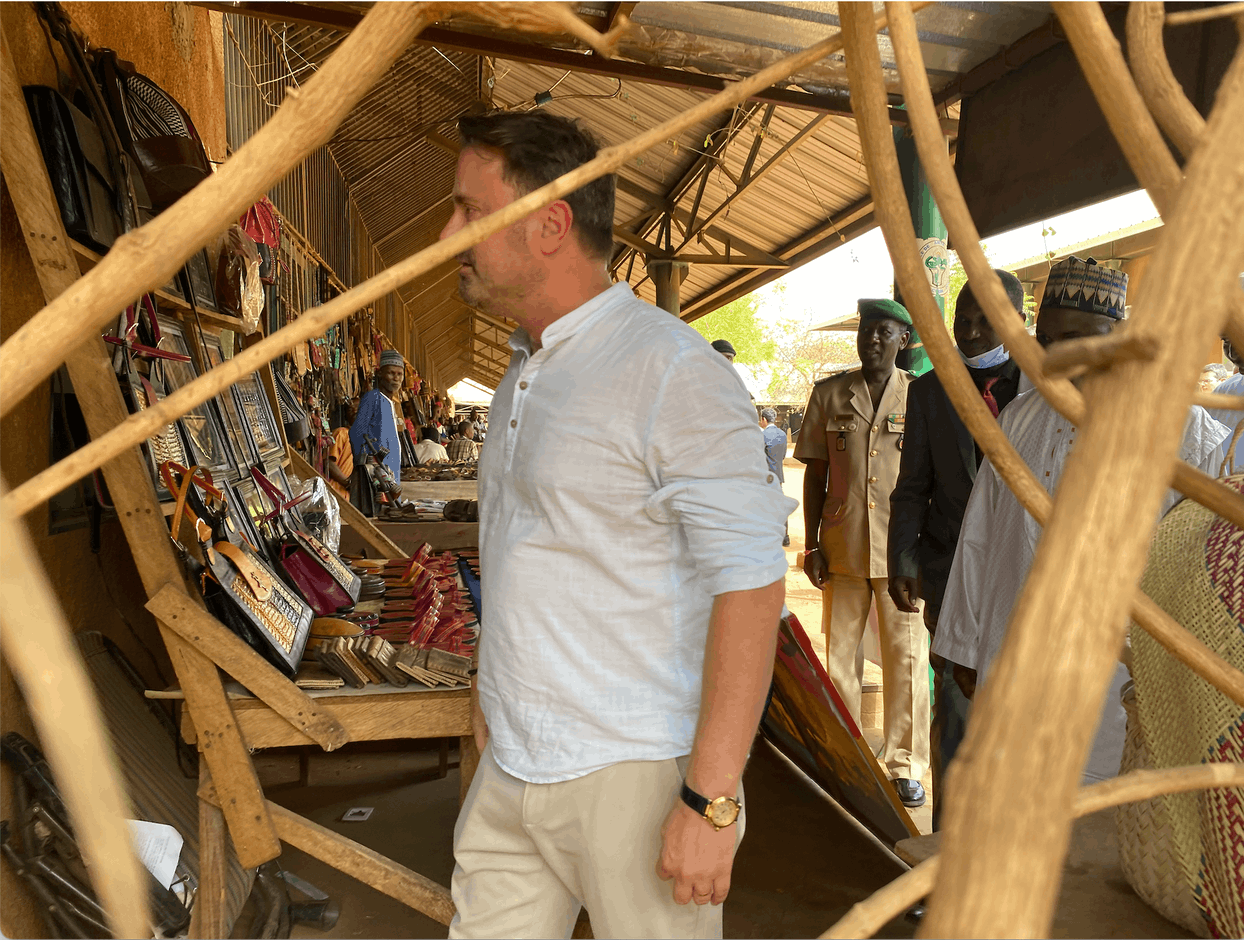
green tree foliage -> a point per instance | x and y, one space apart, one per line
802 356
738 323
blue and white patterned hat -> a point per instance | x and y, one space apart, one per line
1086 285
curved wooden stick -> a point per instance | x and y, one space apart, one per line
1088 560
1059 392
138 427
1214 400
1186 17
1094 353
1134 128
1157 83
870 915
37 645
896 224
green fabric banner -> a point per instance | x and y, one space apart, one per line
930 237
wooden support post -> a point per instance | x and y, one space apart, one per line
349 514
208 921
46 664
667 275
468 763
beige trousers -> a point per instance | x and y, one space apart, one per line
529 855
904 666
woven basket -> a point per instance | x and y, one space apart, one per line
1184 853
1148 853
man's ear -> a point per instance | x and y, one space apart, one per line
555 224
906 339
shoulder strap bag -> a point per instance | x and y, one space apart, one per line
323 579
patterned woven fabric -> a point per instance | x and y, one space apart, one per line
1196 574
1086 285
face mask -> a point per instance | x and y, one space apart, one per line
987 360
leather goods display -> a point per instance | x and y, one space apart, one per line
77 162
154 128
263 225
293 415
240 590
320 576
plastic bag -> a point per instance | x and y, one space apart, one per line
319 510
239 290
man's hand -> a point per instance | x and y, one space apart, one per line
696 856
903 593
965 679
479 725
815 567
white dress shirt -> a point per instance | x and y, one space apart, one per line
1230 418
998 542
624 487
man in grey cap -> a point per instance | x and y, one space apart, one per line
725 347
775 450
379 415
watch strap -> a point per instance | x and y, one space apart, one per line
693 799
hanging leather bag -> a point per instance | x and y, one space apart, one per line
239 588
326 582
154 129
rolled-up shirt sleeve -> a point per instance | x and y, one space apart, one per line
706 453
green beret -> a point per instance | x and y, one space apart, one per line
883 309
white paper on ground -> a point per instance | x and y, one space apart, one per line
158 847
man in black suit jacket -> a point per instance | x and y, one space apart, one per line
935 478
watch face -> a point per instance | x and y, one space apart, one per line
722 811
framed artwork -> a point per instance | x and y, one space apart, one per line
166 444
202 285
255 406
237 430
202 426
248 507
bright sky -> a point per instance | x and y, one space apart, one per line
828 287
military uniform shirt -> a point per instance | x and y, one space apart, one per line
862 448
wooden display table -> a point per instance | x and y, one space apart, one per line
440 489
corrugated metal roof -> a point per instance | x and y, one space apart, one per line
391 151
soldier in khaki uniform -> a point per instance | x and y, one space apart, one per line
851 441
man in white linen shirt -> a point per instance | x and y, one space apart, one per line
1231 417
998 540
632 576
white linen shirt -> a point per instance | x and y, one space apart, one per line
624 485
998 542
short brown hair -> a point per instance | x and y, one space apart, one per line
536 148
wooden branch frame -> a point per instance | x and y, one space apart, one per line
1073 594
1157 83
46 664
1127 114
128 479
109 281
870 915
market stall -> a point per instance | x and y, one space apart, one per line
185 381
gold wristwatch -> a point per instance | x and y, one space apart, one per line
721 812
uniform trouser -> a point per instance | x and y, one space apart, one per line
904 666
950 719
529 855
